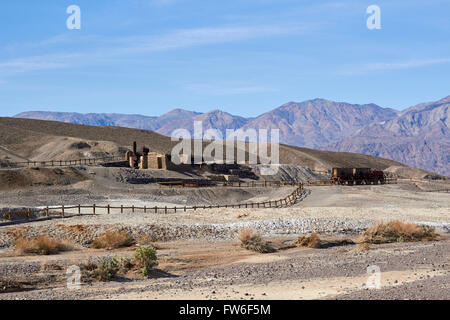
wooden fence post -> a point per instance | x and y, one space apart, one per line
93 209
109 209
132 208
121 208
29 213
165 210
62 211
145 209
46 211
156 209
79 210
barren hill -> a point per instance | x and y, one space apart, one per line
47 140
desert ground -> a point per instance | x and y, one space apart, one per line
198 252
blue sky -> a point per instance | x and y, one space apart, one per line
245 57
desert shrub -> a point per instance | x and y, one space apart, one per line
397 231
113 240
43 245
251 240
146 259
313 241
106 269
125 265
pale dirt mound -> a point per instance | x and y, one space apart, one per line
413 173
66 148
322 160
284 172
29 177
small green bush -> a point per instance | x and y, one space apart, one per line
145 258
107 269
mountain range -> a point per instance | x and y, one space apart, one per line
418 136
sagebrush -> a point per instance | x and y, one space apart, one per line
113 240
397 231
312 241
252 240
43 245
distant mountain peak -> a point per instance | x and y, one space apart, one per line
422 132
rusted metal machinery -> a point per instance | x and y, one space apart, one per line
352 176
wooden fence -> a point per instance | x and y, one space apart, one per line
330 183
251 184
92 210
61 163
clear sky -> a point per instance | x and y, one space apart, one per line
245 57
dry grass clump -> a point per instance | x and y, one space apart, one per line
397 231
43 245
113 240
313 241
251 240
363 247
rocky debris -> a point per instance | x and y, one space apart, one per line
85 234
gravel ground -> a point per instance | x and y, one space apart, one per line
412 270
220 224
357 209
333 210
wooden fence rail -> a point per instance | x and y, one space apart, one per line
251 184
64 210
61 163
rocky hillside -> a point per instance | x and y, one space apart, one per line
316 123
313 123
164 124
418 137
